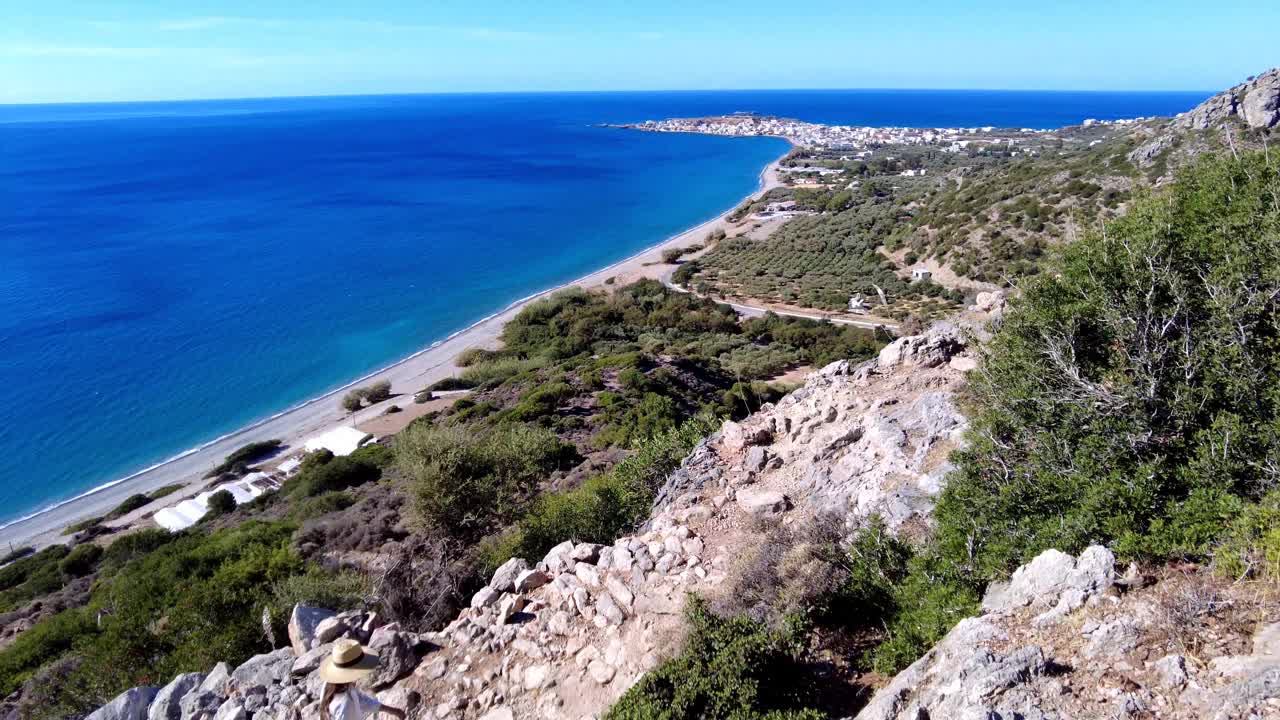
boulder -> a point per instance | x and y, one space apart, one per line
217 679
1054 577
763 504
231 710
132 704
396 651
201 704
558 560
530 580
330 629
265 669
736 436
1260 106
931 349
586 552
504 578
510 605
989 302
167 702
310 662
303 622
485 597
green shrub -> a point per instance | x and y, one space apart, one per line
338 591
1250 545
321 505
1131 390
321 472
45 642
466 482
245 456
131 503
375 454
165 491
81 560
606 505
732 668
220 503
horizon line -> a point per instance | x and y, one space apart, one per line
586 92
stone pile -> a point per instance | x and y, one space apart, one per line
566 636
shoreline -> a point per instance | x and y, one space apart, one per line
295 424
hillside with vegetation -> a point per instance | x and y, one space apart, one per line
984 217
1072 503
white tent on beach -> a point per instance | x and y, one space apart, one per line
342 440
188 512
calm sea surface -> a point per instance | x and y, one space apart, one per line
172 271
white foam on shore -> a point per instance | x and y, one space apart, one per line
312 401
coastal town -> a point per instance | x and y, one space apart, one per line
856 137
835 137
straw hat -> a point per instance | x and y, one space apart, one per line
348 662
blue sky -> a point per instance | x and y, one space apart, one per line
60 50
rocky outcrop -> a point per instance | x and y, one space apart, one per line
1255 102
563 636
1252 105
1061 640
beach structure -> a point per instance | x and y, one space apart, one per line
290 466
188 512
342 440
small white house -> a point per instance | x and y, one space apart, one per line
858 305
920 274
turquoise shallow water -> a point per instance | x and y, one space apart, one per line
173 271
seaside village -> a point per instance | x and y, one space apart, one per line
818 136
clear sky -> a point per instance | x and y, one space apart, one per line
64 50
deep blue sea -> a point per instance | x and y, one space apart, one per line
172 271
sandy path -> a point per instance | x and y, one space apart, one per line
295 426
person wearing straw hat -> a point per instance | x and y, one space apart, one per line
349 662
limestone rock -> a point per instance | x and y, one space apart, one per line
330 629
303 622
504 578
132 704
310 662
396 651
264 669
765 504
201 704
217 679
231 710
1043 582
167 702
530 580
931 349
1266 640
485 597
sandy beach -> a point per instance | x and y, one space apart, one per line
294 426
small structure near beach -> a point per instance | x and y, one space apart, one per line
188 512
342 440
